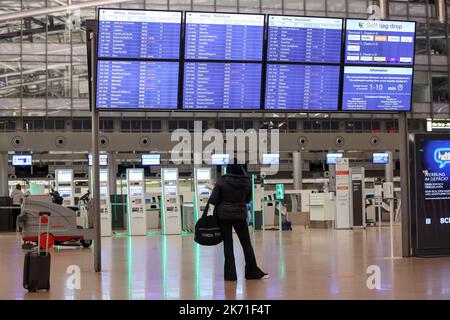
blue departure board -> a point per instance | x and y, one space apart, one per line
379 42
137 85
216 85
377 88
139 34
222 36
304 39
302 87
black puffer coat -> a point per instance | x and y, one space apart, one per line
230 195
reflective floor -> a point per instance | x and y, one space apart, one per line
303 264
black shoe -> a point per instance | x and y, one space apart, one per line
258 277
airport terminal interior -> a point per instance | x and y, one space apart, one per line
119 118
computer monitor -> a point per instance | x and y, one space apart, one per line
220 159
152 159
271 158
331 157
380 158
22 160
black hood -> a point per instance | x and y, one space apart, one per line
237 181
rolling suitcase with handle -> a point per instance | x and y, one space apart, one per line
36 270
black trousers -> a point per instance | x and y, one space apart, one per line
241 227
15 212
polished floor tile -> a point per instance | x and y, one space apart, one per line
303 264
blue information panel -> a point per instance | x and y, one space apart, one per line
304 39
379 42
377 88
222 36
216 85
139 34
302 87
137 85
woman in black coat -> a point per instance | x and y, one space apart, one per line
230 195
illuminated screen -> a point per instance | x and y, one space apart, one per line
331 157
151 159
220 159
64 175
380 158
65 192
302 87
136 191
103 159
139 34
379 42
271 158
223 36
103 175
217 85
170 174
137 84
135 175
203 174
304 39
377 89
21 160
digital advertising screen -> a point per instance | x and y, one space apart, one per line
225 86
137 85
103 159
377 89
270 158
430 194
224 36
151 159
302 87
331 157
220 159
139 34
21 160
380 158
379 42
103 175
304 39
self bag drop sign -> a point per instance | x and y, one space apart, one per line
431 202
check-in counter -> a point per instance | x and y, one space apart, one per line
321 210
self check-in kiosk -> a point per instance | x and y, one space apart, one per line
105 205
64 186
171 214
202 187
137 224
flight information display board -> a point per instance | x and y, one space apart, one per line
304 39
216 85
223 36
137 85
302 87
139 34
377 89
379 42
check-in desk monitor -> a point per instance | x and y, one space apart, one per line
64 186
171 214
202 185
137 224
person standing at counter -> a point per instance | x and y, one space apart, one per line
16 200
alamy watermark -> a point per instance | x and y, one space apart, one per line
247 146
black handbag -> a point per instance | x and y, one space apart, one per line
207 230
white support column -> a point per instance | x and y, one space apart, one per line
297 175
4 192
